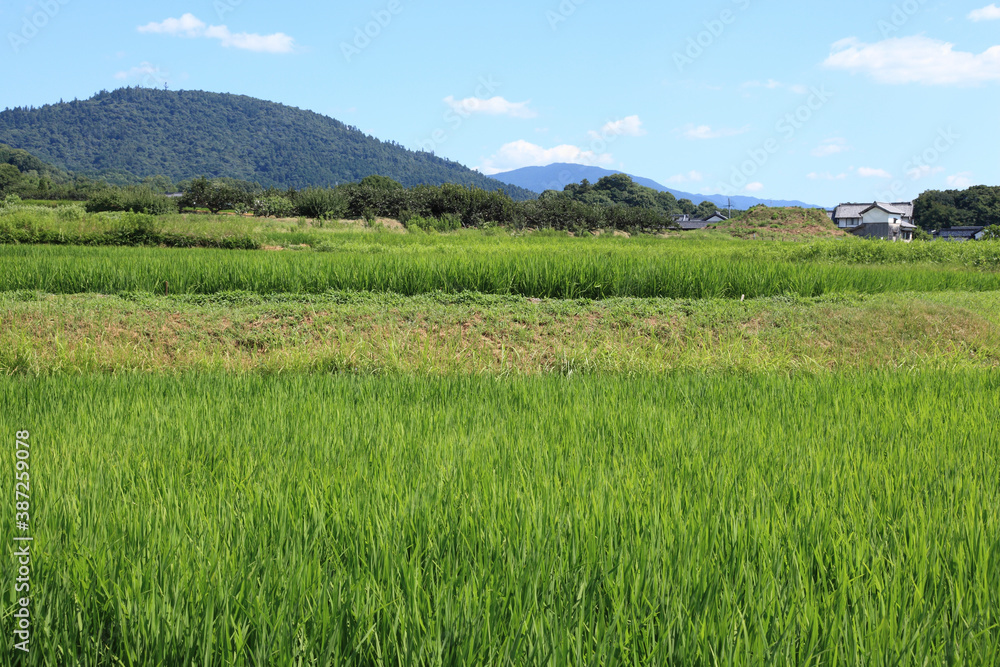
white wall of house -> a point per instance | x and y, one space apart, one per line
879 215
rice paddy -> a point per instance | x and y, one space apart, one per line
396 449
538 268
683 519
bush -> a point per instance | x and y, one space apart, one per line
322 203
133 199
277 207
449 222
71 213
216 195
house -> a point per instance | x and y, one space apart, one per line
878 220
960 234
847 216
689 223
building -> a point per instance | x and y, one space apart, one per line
960 234
878 220
689 223
847 216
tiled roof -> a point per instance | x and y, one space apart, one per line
959 232
904 209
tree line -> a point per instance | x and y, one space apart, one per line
978 206
438 206
620 189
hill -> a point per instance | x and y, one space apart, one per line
781 224
27 163
559 175
133 133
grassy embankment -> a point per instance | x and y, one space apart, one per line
365 333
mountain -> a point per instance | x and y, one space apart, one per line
132 133
557 176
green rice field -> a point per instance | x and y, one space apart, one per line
539 268
362 447
681 519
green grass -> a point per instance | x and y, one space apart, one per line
684 519
51 203
541 267
70 224
435 334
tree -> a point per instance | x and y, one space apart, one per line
706 209
978 206
667 202
687 207
10 177
214 195
992 233
380 182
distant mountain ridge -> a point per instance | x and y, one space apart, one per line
558 176
132 133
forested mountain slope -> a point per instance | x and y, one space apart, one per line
142 132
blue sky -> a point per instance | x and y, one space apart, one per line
822 102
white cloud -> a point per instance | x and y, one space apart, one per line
831 147
960 181
915 59
187 25
826 176
690 177
146 72
522 153
868 172
754 187
191 26
923 171
706 132
990 13
630 126
495 106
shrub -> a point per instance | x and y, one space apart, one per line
216 195
324 203
447 223
134 199
277 207
71 213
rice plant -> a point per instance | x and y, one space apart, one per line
684 519
542 268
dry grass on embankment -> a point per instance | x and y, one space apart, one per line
781 224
